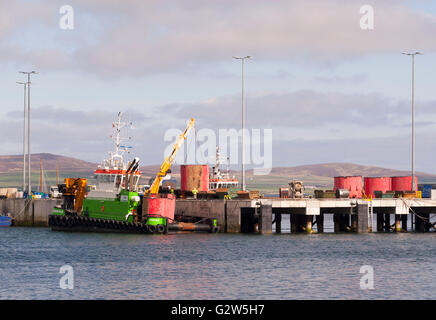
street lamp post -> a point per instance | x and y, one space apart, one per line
24 136
243 120
29 186
413 54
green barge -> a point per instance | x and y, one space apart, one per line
117 206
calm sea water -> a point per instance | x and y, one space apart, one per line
222 266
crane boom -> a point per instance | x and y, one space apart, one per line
166 165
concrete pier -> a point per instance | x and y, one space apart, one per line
349 215
361 219
265 219
246 215
27 212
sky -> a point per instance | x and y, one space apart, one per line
329 90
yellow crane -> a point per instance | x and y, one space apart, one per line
166 165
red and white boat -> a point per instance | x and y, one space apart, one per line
219 179
111 173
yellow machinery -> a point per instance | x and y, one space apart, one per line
166 165
73 191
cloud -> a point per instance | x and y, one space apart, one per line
136 38
302 109
308 127
82 134
355 79
146 37
67 116
17 16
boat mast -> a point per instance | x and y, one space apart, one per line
217 161
57 174
40 175
118 125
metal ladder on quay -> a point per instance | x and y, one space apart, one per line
370 214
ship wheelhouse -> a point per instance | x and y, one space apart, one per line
223 183
110 175
219 179
114 180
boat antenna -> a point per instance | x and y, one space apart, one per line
120 148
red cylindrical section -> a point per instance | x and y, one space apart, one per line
372 184
194 177
403 183
352 183
157 205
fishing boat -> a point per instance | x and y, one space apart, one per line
219 179
116 204
110 175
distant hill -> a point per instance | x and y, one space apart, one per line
342 169
49 161
14 164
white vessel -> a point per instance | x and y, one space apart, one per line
111 173
219 179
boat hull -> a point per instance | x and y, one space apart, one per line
6 221
154 226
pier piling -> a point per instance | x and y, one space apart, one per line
404 222
320 223
336 223
398 224
293 221
354 223
278 220
387 222
309 222
380 222
265 219
361 220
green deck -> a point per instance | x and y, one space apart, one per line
119 208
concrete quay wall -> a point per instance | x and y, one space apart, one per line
29 212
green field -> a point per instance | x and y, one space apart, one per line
15 179
272 183
265 184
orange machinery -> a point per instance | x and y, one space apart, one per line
73 191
